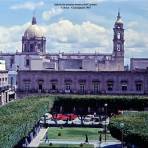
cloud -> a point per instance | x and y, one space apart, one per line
135 38
136 43
66 36
10 37
27 5
51 13
101 1
76 36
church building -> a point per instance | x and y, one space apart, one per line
36 70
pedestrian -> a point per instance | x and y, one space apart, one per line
100 140
46 137
86 138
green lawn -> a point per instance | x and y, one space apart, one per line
76 133
66 145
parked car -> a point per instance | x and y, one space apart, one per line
96 120
76 121
51 121
48 115
89 117
42 120
88 121
105 122
61 122
70 121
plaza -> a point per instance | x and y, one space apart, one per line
73 80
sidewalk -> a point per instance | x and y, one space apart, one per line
93 142
37 140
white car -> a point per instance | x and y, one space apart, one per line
76 121
89 117
61 122
48 115
87 121
105 122
50 121
41 121
96 120
70 121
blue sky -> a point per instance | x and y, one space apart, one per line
73 30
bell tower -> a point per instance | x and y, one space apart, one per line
118 40
118 43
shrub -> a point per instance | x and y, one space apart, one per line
81 144
59 134
135 130
115 103
18 118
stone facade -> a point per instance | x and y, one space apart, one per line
83 82
34 53
6 92
139 64
92 73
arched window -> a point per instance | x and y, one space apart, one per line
118 47
118 35
31 47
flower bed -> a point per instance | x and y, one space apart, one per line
64 116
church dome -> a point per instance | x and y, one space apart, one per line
34 30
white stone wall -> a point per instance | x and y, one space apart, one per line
92 62
2 65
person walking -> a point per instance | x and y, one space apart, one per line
100 140
86 138
46 137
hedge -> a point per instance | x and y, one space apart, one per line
19 117
135 130
115 103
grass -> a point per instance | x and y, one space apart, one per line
76 133
66 146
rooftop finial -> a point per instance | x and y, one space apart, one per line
34 18
118 17
119 20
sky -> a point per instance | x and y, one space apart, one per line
76 30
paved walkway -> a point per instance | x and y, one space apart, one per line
37 140
93 142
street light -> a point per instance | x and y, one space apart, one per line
122 126
105 105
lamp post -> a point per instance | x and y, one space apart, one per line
122 126
105 105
